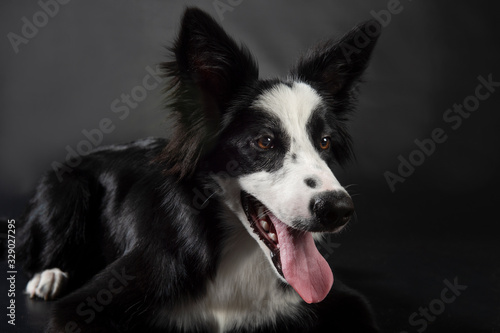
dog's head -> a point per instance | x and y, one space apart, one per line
270 145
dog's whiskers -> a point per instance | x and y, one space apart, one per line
264 213
211 195
350 191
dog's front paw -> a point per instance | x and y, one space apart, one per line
48 284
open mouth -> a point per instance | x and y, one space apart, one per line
293 252
259 217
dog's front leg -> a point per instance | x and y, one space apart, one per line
124 297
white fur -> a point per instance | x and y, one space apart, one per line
245 291
284 191
47 284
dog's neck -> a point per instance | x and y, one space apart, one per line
245 289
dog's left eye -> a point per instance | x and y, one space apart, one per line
325 143
265 142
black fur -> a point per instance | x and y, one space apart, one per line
132 214
208 69
334 68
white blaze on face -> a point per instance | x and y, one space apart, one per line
284 191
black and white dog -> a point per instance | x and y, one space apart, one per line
214 229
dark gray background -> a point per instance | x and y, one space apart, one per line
439 224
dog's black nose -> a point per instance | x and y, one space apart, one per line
332 209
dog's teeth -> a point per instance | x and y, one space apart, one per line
264 225
272 235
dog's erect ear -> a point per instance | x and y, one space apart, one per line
208 68
208 60
335 66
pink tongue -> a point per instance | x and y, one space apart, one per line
303 266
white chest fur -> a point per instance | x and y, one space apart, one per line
244 293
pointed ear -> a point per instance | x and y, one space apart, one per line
207 70
335 66
208 61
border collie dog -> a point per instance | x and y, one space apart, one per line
214 229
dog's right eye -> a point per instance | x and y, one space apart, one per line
265 142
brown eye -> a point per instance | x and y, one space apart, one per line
265 142
325 143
